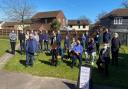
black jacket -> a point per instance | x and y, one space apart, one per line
21 36
104 55
115 44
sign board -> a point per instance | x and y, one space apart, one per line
84 77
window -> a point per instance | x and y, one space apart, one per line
83 26
46 21
118 20
79 26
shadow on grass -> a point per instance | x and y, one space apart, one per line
18 51
70 85
45 62
8 51
117 74
23 62
67 62
48 54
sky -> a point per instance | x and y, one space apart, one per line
73 9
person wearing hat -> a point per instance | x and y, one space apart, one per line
77 53
12 37
115 45
31 49
104 59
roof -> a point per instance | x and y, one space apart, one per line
78 22
117 12
48 14
8 24
1 22
26 21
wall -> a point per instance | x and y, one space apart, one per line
81 27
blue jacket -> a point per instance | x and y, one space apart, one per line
41 37
106 37
46 37
31 46
91 47
78 48
58 37
97 39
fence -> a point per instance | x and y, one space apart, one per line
5 32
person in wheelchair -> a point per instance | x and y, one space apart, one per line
90 51
104 59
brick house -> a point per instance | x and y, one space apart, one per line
42 20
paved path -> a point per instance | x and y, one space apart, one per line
24 81
6 57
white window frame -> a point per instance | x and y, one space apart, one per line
118 20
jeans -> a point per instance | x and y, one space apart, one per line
115 57
13 44
54 57
74 57
97 47
46 45
22 46
60 52
84 44
29 58
41 44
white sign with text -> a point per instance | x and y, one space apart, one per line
84 77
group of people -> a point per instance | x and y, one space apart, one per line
75 46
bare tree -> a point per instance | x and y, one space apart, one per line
125 4
17 10
84 18
100 15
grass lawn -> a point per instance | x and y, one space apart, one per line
4 45
118 75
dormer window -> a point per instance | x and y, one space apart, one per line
118 20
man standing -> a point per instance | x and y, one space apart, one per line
106 37
97 41
83 38
46 41
12 37
77 53
22 41
31 48
115 45
41 39
58 38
